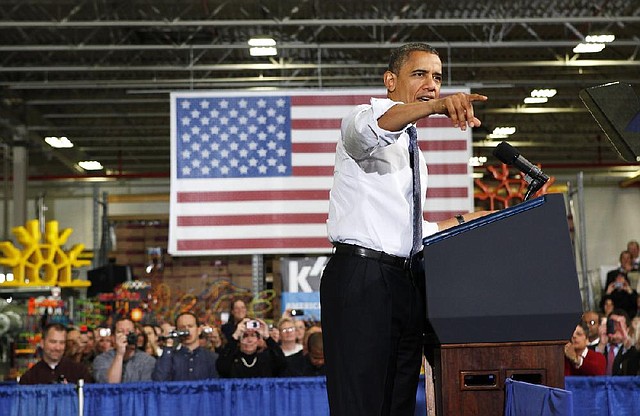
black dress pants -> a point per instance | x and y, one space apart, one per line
372 325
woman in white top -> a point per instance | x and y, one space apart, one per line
288 337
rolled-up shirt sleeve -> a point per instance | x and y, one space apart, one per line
361 133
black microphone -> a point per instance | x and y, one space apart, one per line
532 174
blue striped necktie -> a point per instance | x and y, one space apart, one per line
417 198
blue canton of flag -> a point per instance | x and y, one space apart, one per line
233 137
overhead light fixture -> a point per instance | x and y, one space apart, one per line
593 43
501 132
600 38
540 95
588 47
546 92
535 100
58 142
90 165
263 46
477 161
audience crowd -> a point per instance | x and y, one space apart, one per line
184 350
607 342
604 342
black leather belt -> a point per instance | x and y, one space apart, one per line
367 253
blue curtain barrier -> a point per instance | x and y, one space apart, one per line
45 399
592 396
605 396
232 397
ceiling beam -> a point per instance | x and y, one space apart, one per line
279 23
280 66
298 45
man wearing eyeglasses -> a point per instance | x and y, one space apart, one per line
592 319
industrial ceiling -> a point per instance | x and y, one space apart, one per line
100 72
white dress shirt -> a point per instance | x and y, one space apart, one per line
371 198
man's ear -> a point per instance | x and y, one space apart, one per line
389 81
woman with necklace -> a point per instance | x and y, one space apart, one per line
240 358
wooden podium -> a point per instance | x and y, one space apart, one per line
502 298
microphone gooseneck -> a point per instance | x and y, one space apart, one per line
532 174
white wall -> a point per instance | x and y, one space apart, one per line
612 219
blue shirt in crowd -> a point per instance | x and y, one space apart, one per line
182 364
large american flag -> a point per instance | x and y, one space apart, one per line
251 172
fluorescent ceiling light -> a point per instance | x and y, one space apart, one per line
535 100
600 38
58 142
262 46
477 161
549 92
263 51
90 165
262 42
588 48
504 130
594 43
501 133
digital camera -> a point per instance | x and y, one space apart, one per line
132 338
253 324
178 334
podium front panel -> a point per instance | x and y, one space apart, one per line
506 277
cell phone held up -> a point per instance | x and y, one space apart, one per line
611 326
297 312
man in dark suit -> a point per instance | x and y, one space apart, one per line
622 356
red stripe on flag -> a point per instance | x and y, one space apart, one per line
312 170
315 124
291 195
434 122
331 99
440 145
452 169
254 243
447 193
224 220
313 147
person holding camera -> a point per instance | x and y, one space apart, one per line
240 358
187 361
621 355
124 363
621 294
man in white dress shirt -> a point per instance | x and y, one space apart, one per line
372 306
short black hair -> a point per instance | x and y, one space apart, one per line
400 55
585 327
122 318
55 326
190 314
623 313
